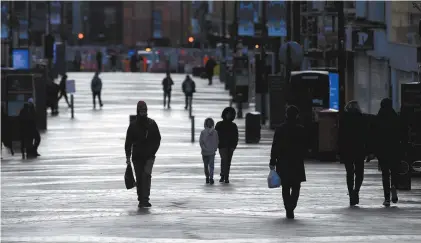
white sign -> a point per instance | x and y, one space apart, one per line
70 86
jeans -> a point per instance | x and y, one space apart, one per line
354 167
143 171
209 162
167 94
226 157
189 100
64 94
389 175
94 95
290 194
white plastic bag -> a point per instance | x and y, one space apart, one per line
274 181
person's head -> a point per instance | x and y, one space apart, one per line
168 74
96 74
292 113
64 76
209 123
188 77
142 109
31 102
352 106
386 103
229 114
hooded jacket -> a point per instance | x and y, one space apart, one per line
353 135
188 86
142 139
227 130
209 141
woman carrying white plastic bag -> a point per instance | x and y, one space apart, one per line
274 181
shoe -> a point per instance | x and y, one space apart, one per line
101 105
211 181
207 180
147 205
185 108
386 203
394 195
169 107
140 205
290 214
356 197
222 179
227 180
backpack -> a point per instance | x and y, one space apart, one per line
96 84
189 87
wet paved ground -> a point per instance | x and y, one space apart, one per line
75 191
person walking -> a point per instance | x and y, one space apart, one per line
29 134
228 141
167 84
388 148
96 88
287 158
142 142
133 62
209 144
353 130
189 88
113 61
209 68
63 91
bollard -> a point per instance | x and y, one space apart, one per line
192 128
72 106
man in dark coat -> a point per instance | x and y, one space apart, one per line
228 141
167 84
209 67
30 137
142 142
189 88
388 148
353 130
287 155
96 88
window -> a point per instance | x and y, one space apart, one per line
404 23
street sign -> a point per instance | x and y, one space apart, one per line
70 86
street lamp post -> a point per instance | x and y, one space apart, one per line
263 61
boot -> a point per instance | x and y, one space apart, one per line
290 214
207 180
222 179
356 197
227 180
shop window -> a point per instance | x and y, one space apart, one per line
404 23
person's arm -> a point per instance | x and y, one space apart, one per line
201 142
236 135
194 87
155 138
128 144
216 140
172 82
274 154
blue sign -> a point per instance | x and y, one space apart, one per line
334 91
131 53
247 13
276 18
20 59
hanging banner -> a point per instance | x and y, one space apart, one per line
276 18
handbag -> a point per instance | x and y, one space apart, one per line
274 181
129 178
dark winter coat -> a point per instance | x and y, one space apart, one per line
167 84
28 121
387 135
288 151
353 135
227 130
96 84
209 66
142 139
186 90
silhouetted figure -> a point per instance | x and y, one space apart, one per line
96 88
63 91
287 157
133 63
113 61
228 141
353 137
189 88
53 91
142 142
209 142
6 135
99 61
167 84
77 61
30 137
209 67
388 148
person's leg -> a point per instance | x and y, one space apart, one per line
359 177
394 170
230 153
99 99
146 181
66 98
138 169
211 167
223 154
37 141
286 197
93 99
349 167
187 102
165 99
205 166
384 165
295 194
169 99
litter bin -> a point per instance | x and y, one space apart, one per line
253 127
327 134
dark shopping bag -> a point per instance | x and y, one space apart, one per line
129 178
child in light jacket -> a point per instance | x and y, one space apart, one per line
209 144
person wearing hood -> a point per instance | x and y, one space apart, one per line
189 87
142 142
228 141
388 148
287 157
209 144
30 137
96 88
353 130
